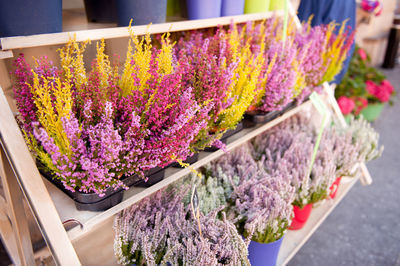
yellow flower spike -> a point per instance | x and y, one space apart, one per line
49 116
164 59
103 65
71 57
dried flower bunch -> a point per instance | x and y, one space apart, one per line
161 230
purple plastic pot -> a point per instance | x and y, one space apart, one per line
232 7
199 9
264 254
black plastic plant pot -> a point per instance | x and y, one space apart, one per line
231 132
288 107
190 160
253 118
104 11
87 201
213 148
153 175
21 17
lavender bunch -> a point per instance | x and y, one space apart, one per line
260 204
161 230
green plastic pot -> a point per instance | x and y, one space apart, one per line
372 111
256 6
276 5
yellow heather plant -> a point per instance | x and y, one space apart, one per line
245 78
336 47
53 100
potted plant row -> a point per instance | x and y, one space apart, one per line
91 128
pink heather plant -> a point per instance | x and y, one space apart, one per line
161 230
209 72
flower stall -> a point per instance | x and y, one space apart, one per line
89 130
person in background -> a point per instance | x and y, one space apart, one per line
326 11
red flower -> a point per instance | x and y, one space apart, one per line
387 86
346 104
371 87
362 54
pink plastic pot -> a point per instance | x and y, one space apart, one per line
334 187
300 216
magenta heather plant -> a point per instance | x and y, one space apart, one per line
209 72
160 230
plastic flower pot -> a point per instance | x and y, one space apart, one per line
142 12
200 9
372 111
104 11
153 175
276 5
256 6
226 135
87 201
252 118
300 216
264 254
334 187
232 7
21 17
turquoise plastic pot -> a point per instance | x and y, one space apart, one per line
264 254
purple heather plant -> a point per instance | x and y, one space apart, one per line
260 204
161 230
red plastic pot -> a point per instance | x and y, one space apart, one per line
300 216
334 187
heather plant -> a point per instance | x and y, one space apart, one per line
260 204
161 230
210 74
153 87
292 159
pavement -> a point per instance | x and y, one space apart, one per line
364 229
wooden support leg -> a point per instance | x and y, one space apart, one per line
18 219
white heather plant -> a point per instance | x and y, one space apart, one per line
260 204
160 230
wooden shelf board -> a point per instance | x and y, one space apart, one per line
67 210
9 43
294 240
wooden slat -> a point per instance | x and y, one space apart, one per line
7 234
16 211
23 166
6 54
10 43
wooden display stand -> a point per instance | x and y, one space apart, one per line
92 242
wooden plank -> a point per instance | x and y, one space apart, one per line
294 240
9 43
7 234
16 212
135 195
6 54
24 168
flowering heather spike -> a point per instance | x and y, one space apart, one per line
161 230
